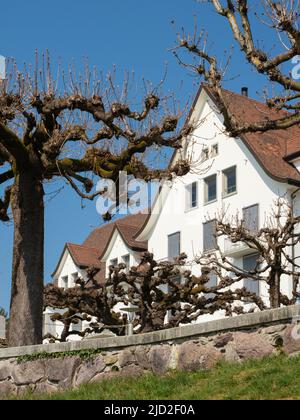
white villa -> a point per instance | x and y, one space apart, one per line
244 175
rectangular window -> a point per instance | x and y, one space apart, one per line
249 264
126 261
114 262
173 246
192 196
205 154
210 189
229 180
74 278
213 282
64 282
76 326
209 240
215 150
250 218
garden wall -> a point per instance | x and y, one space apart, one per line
193 347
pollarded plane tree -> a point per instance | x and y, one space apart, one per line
72 130
163 295
247 20
274 249
89 302
168 294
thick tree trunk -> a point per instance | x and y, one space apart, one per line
26 310
275 289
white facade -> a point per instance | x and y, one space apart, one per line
118 252
254 187
67 272
211 152
65 276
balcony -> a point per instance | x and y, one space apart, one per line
236 250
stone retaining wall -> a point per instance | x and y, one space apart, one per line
177 349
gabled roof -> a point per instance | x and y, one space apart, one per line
84 256
274 150
271 148
89 254
127 227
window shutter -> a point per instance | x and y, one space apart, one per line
213 282
174 245
249 264
209 241
250 216
114 262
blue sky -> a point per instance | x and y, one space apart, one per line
131 34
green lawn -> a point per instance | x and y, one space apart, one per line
272 378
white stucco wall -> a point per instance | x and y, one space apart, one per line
68 268
117 250
254 186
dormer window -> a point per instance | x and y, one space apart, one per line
113 263
126 261
64 282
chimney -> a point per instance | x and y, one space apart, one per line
245 91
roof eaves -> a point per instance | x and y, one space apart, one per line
292 156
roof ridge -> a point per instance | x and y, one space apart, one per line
248 98
122 220
81 246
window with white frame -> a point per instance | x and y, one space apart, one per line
173 246
214 150
126 261
77 324
229 181
250 262
213 282
210 189
74 278
64 282
192 196
250 218
113 262
205 154
209 239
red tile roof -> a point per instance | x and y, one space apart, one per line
127 226
89 254
84 256
270 148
